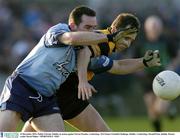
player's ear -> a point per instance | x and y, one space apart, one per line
73 26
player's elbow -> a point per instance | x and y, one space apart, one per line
68 39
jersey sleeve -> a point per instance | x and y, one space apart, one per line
51 37
100 64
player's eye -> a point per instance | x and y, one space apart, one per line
127 38
89 27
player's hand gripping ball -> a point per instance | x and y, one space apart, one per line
166 85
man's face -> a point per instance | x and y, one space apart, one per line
153 29
125 42
88 23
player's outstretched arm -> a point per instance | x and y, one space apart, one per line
126 66
85 90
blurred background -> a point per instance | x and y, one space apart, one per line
23 22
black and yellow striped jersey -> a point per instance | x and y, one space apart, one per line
105 48
101 49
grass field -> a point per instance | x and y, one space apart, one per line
134 124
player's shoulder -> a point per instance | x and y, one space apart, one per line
60 26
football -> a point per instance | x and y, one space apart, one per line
166 85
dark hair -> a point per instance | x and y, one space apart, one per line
125 20
78 12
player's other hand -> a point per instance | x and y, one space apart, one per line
114 37
152 58
85 90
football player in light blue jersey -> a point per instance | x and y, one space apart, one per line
29 91
77 111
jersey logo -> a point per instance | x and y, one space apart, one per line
106 62
39 98
62 69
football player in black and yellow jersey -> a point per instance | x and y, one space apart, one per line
78 111
129 25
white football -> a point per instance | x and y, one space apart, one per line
166 85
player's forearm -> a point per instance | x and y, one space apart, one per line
83 59
126 66
82 38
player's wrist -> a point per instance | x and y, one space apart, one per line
82 81
145 62
82 78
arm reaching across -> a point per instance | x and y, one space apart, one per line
82 38
85 89
124 66
91 38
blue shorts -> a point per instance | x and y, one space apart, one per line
18 96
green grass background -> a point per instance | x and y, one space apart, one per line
133 124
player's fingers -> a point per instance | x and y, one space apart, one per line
83 94
90 94
156 54
93 89
130 30
156 51
127 31
79 93
149 52
87 94
158 63
123 32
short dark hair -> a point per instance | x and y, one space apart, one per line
125 20
78 12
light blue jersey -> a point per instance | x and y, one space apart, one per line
49 63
